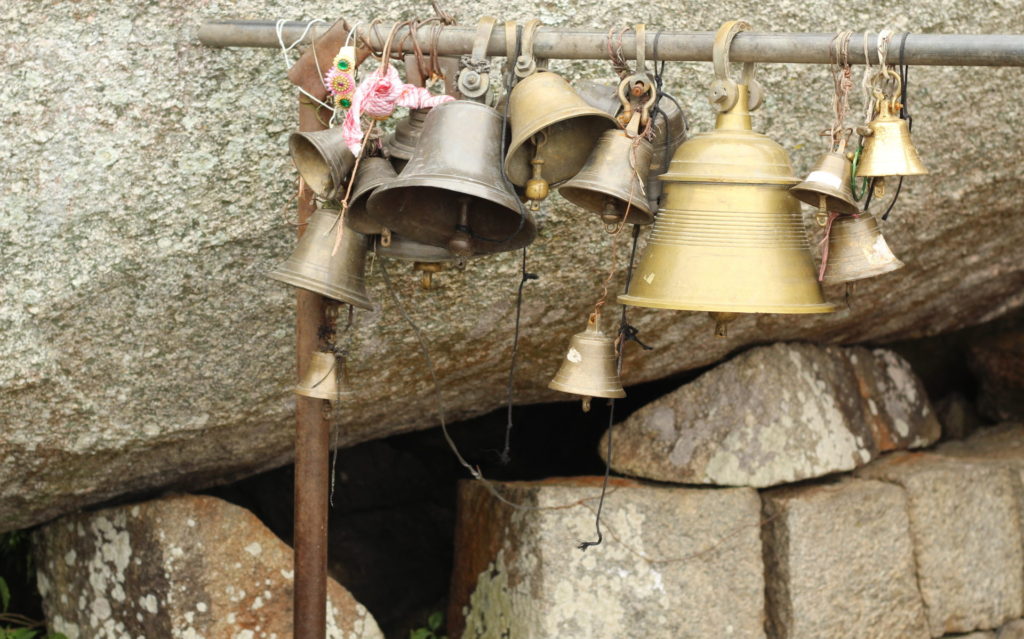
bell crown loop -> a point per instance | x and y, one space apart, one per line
724 90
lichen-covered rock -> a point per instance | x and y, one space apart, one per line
675 562
778 414
998 363
839 563
184 567
966 531
147 191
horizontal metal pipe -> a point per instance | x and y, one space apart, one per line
588 44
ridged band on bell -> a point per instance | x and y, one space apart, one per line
401 144
406 250
729 237
545 103
323 160
371 173
857 250
322 380
312 266
589 367
451 194
830 178
888 149
609 185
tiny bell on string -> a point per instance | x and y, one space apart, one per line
589 368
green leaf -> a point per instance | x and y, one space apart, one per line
420 633
5 595
58 635
23 633
435 620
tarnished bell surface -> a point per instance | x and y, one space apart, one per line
588 368
321 379
370 174
857 250
451 193
729 237
402 142
607 183
322 159
888 150
545 102
600 96
830 178
312 267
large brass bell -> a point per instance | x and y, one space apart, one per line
887 146
371 173
451 193
827 186
613 180
312 266
323 160
589 368
322 379
857 250
401 143
553 132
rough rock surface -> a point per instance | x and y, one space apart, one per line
146 191
675 562
839 563
1012 630
973 635
998 362
183 567
965 526
778 414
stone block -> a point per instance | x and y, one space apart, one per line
675 562
1012 630
839 563
965 526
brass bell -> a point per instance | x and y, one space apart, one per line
553 131
729 237
401 144
827 186
323 160
887 146
312 266
451 193
857 250
426 259
589 367
322 379
371 173
608 183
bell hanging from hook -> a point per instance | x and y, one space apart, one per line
323 379
613 180
827 186
323 160
371 173
857 250
589 367
888 150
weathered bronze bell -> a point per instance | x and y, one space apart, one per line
312 267
827 186
857 250
553 132
608 184
322 379
887 146
729 237
451 193
402 142
370 174
323 160
589 368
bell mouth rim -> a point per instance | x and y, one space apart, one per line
307 284
300 390
837 204
895 265
617 394
780 309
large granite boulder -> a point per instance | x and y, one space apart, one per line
147 190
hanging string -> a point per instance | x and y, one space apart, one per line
842 79
904 72
525 277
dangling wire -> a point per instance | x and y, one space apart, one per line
525 277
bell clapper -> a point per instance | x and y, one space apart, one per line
537 188
611 215
586 403
722 321
461 242
878 187
822 215
385 237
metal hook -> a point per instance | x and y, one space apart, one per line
527 64
724 91
474 78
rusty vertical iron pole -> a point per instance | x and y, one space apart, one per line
312 448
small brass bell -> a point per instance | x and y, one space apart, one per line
371 173
401 144
857 250
322 379
827 186
608 183
323 160
589 367
426 259
887 146
451 193
312 266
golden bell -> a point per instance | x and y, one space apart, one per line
887 147
729 237
312 267
543 107
323 160
370 174
609 185
589 367
451 193
401 144
827 186
322 379
857 250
